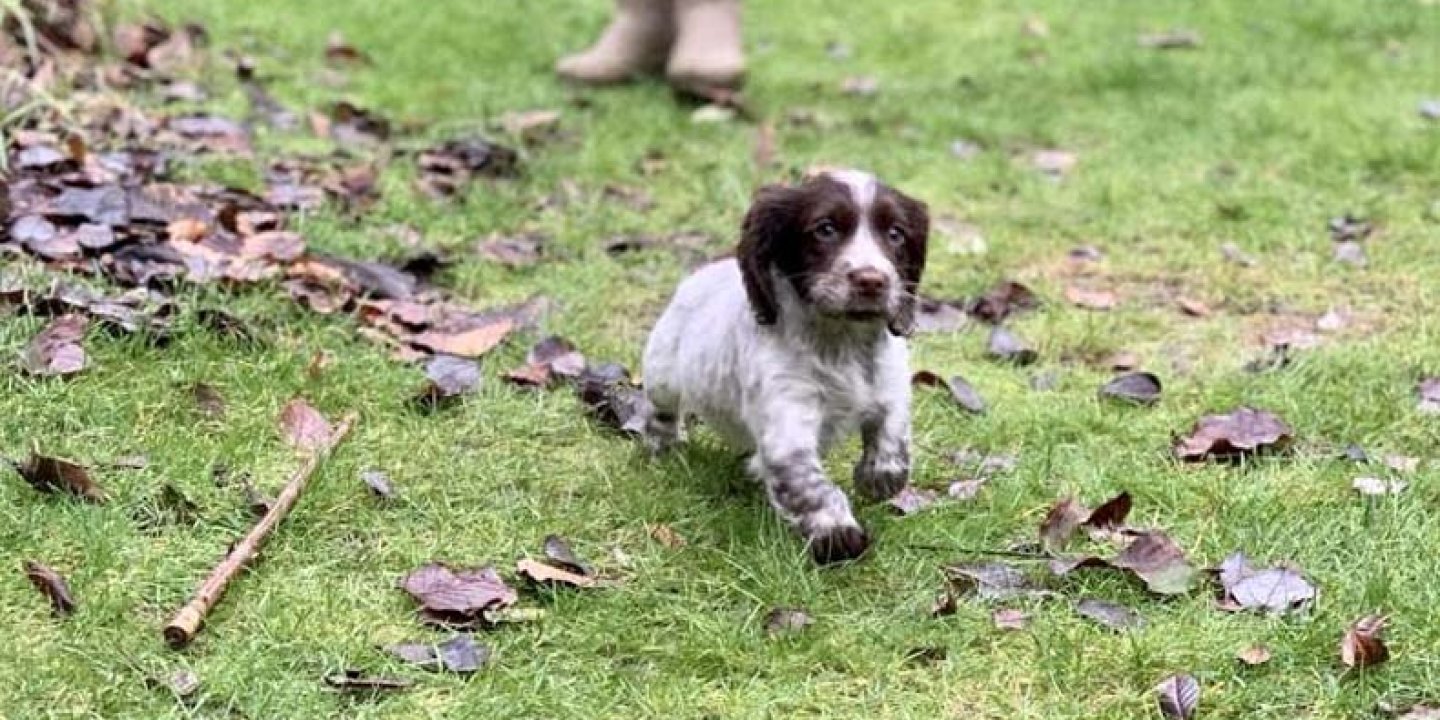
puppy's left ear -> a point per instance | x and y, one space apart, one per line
911 263
766 224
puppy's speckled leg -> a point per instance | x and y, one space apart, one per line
788 461
884 466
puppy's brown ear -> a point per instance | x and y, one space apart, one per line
910 263
766 224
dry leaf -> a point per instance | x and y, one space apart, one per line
1362 646
303 427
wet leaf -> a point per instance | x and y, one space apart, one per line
55 351
457 594
558 553
539 573
1010 619
612 400
1254 655
514 252
1007 347
1170 40
303 427
961 391
1276 590
213 134
352 680
935 316
1374 486
1159 562
1091 299
209 401
105 205
1064 518
786 620
1242 432
551 358
379 483
1115 617
52 586
1429 392
1002 301
460 655
52 475
1179 696
449 378
1362 646
990 581
1140 388
911 500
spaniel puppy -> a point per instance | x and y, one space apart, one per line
798 342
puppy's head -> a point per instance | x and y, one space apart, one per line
850 246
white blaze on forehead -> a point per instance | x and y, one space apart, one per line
862 186
863 250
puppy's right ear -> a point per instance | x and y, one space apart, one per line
766 224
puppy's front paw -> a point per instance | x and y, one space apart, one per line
878 480
838 544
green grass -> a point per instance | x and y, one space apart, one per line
1290 113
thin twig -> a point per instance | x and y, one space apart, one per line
962 550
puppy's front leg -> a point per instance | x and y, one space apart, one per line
884 466
788 461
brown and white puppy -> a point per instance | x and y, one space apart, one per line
798 342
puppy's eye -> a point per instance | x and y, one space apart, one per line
895 235
825 231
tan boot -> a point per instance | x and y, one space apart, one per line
708 50
636 42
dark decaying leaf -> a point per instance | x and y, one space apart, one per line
1276 590
447 168
786 620
458 596
1242 432
960 390
1140 388
551 358
52 586
208 133
945 604
460 654
1362 646
1115 617
1429 392
1006 346
51 475
303 427
990 581
1069 515
611 399
55 351
208 400
911 500
539 573
1005 299
354 125
447 378
934 316
559 553
1159 562
379 483
1010 619
1179 696
358 681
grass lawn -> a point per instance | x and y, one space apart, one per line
1288 114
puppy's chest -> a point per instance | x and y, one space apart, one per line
846 387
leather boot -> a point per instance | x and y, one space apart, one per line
708 52
636 42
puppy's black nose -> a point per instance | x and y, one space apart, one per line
868 282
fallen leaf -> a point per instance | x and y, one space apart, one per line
1429 393
472 342
945 604
966 489
666 535
530 125
448 167
1375 486
1159 562
1010 619
514 252
558 553
461 595
51 475
460 655
540 573
353 125
1254 655
183 683
786 620
1091 299
1277 590
1240 433
1193 307
552 357
1402 463
860 85
990 581
208 400
448 378
352 680
1170 40
1069 515
105 205
303 427
1123 361
1347 228
210 134
1111 513
1233 254
1179 696
1139 388
961 391
1005 346
911 500
55 351
340 52
1351 252
1115 617
1002 301
379 483
52 586
1362 647
612 400
1054 163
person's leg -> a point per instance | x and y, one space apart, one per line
637 41
708 52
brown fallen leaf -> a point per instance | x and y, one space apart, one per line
460 655
1429 392
447 379
786 620
55 351
1254 655
512 251
462 595
1422 712
559 553
667 536
472 342
1111 615
551 358
990 581
1069 515
1091 299
530 125
1005 299
52 586
1276 590
303 427
1159 562
911 500
1239 433
1123 361
945 604
1010 619
1179 696
539 573
1362 646
935 316
1006 346
340 52
51 475
208 400
612 399
960 390
1139 388
1193 307
966 489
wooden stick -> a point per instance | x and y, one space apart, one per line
187 622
